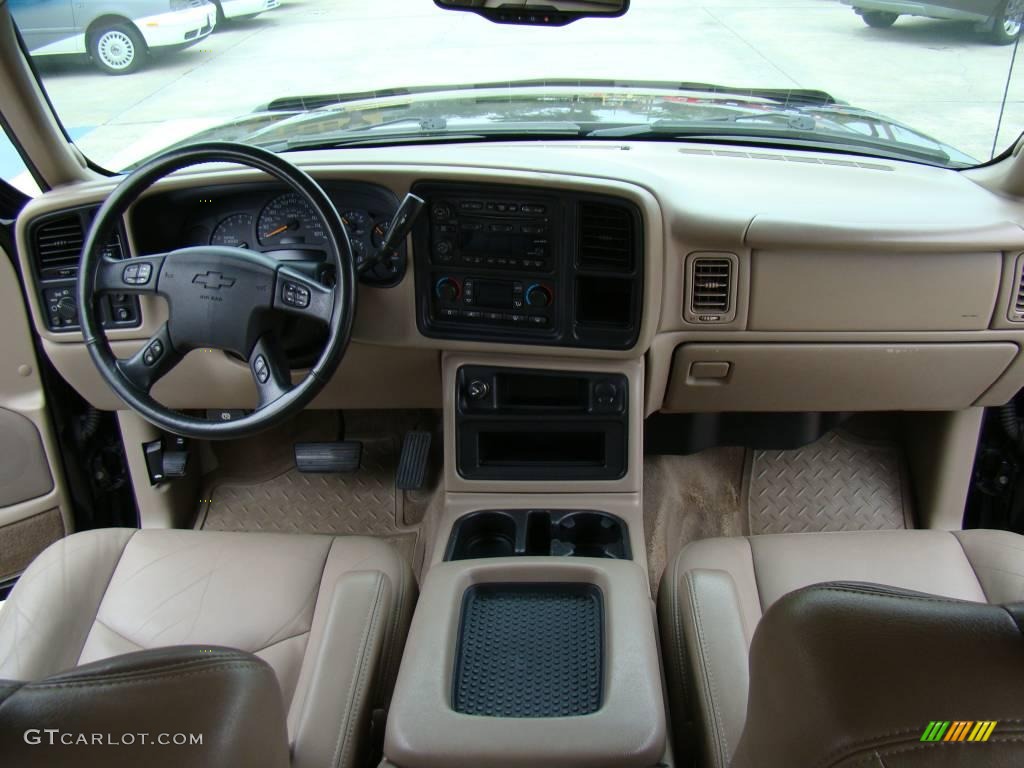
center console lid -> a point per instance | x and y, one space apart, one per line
516 660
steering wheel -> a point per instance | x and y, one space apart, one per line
218 297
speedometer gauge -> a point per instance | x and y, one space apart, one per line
235 230
287 220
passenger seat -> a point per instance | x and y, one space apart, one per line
714 594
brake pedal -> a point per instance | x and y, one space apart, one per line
412 466
328 458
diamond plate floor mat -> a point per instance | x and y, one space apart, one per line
838 483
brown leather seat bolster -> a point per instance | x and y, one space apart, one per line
845 674
135 709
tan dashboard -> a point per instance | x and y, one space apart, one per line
771 281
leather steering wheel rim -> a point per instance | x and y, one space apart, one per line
243 281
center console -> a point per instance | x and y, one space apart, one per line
515 661
527 265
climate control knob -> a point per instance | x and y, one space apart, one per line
538 296
448 289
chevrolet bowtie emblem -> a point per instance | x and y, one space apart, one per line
214 281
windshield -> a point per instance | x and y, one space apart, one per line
131 77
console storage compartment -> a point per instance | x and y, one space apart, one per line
532 532
515 424
523 660
559 626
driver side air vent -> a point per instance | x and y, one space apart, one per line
59 247
711 294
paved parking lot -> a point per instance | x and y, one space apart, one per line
935 76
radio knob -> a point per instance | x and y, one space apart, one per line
443 249
441 212
538 296
448 290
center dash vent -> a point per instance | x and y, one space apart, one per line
712 294
58 246
606 237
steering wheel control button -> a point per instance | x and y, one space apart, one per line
137 274
295 295
261 369
153 353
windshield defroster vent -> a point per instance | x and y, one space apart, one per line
711 295
606 237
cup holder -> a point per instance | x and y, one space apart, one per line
525 532
589 534
488 534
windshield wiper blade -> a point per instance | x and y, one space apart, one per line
310 102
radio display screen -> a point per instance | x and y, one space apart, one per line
489 293
503 245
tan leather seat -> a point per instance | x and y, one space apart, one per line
329 615
715 592
851 675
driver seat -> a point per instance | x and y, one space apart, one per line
329 615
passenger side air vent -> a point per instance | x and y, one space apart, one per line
711 294
606 237
58 246
1016 313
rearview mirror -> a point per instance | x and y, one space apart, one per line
537 12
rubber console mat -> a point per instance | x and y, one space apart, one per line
839 483
358 503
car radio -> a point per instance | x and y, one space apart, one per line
492 259
528 265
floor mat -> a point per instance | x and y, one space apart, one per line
838 483
269 494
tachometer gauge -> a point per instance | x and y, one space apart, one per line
235 231
287 220
356 222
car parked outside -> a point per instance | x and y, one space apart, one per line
998 20
116 34
231 10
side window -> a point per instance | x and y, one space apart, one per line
13 169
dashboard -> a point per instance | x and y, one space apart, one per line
741 280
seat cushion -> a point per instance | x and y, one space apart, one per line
329 614
716 590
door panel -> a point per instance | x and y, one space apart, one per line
33 504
